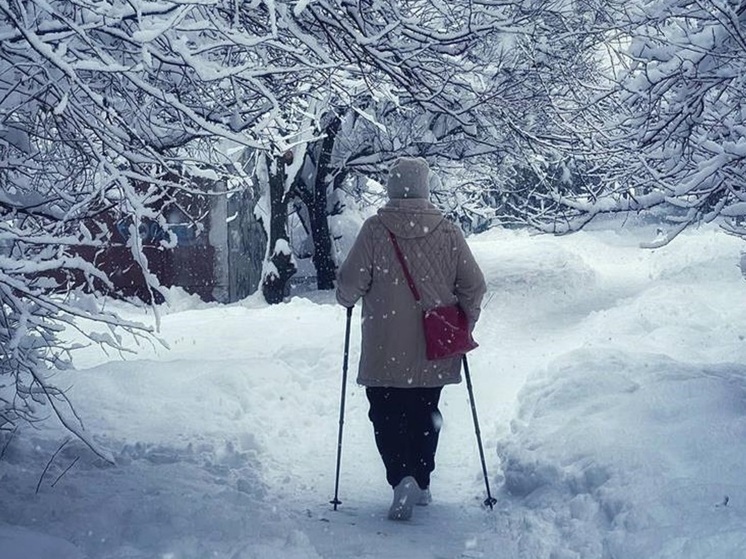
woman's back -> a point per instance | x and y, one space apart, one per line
444 272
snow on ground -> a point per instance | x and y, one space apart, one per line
609 382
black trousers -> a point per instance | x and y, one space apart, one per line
406 422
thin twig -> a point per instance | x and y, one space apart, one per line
56 452
7 443
65 471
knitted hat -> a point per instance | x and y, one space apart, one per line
409 178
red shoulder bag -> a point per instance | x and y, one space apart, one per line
447 331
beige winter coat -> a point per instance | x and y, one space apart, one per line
444 269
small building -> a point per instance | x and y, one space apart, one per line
220 246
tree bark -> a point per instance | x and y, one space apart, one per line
326 270
275 285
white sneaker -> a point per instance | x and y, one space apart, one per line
406 495
425 497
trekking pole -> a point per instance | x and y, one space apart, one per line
490 501
345 360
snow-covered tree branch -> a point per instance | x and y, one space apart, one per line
665 126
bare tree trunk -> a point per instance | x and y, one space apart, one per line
315 198
323 260
281 267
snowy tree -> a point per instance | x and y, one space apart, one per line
519 82
395 57
667 123
113 113
105 112
107 109
497 102
312 185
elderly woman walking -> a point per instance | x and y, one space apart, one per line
402 385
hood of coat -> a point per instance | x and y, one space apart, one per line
410 218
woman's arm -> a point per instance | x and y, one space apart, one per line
470 285
356 272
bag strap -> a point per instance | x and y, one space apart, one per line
400 256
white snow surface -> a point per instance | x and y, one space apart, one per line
610 384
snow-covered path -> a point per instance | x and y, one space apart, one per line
225 442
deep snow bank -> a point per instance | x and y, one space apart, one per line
630 445
632 455
537 274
